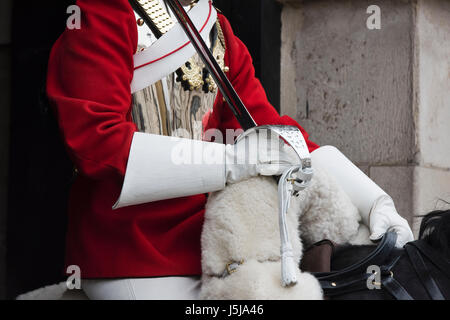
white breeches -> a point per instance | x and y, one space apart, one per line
160 288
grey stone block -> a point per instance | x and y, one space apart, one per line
352 87
433 87
364 168
431 191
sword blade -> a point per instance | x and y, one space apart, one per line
226 88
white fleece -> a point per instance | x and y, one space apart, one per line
326 211
256 280
241 223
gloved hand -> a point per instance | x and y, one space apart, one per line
259 153
161 167
376 207
384 217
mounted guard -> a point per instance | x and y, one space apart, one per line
144 107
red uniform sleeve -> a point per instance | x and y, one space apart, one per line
88 85
249 88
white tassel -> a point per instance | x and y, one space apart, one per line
288 266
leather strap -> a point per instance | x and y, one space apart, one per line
231 268
395 289
379 255
423 273
317 258
354 277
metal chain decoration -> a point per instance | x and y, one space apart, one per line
157 14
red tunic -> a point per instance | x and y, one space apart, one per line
89 76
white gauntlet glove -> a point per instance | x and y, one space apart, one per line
259 153
375 206
384 217
161 167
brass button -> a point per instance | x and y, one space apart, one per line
140 22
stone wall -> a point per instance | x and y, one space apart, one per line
432 108
373 93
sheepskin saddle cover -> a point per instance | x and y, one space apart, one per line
241 227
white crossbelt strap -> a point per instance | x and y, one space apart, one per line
173 49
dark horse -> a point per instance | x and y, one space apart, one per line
418 271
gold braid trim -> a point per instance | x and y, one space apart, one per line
218 52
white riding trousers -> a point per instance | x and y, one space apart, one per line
160 288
